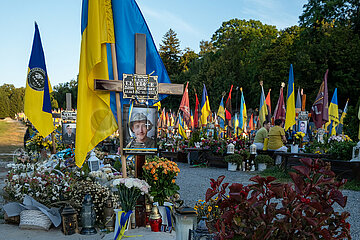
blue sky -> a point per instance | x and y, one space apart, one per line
59 24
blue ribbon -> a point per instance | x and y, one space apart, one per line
168 214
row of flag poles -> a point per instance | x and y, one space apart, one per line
97 114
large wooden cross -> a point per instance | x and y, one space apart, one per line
117 85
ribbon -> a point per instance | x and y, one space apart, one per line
168 215
122 219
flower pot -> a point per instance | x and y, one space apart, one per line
232 167
261 166
295 148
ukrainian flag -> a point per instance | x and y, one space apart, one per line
205 107
95 120
221 114
181 128
334 113
37 104
290 102
243 114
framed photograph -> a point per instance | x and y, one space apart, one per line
303 126
140 125
68 133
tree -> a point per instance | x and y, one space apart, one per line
185 60
60 91
170 52
17 101
206 47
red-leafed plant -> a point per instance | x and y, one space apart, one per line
270 210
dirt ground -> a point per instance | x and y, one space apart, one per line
11 137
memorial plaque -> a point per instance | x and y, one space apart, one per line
140 86
303 115
68 115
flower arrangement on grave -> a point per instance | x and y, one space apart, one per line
38 143
340 147
209 209
160 174
268 210
129 190
298 138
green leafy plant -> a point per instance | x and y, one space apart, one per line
264 159
195 137
341 150
160 174
302 209
234 158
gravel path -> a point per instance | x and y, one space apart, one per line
194 182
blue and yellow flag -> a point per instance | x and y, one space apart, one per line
334 113
181 128
221 114
243 114
290 102
37 104
263 108
95 120
205 107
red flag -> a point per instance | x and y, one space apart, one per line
228 106
268 102
280 110
184 105
320 108
251 123
196 117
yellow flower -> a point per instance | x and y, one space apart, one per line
209 208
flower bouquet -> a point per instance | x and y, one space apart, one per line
129 190
298 138
160 173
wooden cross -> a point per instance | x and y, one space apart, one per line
116 86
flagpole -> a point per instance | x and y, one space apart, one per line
119 112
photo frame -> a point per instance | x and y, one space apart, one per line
69 133
303 126
140 129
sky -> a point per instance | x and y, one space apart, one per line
59 25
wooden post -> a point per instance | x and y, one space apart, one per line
119 112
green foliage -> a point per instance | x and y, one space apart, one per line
118 165
264 159
234 158
351 122
170 52
195 137
60 91
352 185
11 100
341 150
279 173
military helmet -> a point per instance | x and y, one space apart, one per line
137 117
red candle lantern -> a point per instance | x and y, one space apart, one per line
155 220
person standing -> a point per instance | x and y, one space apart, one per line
261 134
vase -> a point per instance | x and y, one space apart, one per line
295 148
232 167
261 166
122 222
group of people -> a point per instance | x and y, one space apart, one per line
272 138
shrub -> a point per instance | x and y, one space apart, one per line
264 159
268 210
234 158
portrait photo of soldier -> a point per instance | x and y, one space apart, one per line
68 133
140 128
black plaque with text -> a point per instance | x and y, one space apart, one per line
140 86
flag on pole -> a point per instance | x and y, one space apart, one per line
243 113
263 109
196 116
251 122
184 105
320 110
205 107
158 105
192 119
236 124
181 128
268 105
343 115
228 110
334 113
37 104
290 102
280 110
298 102
95 120
221 113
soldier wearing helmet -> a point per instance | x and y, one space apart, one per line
139 126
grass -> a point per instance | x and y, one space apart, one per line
352 185
277 172
11 137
